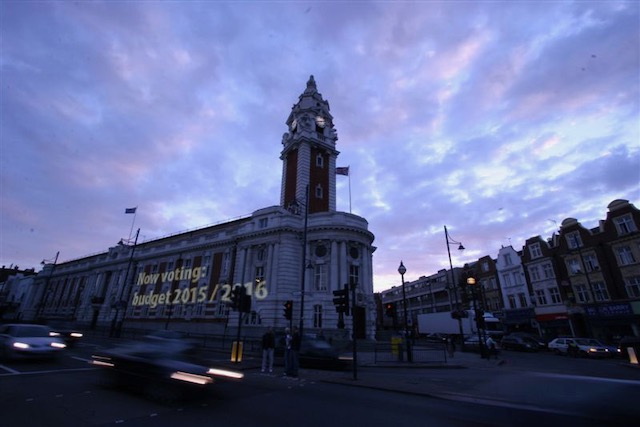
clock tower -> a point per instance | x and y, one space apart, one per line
309 153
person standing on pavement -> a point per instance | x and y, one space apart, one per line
451 346
294 353
268 346
287 351
491 348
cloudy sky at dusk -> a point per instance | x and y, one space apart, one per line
496 119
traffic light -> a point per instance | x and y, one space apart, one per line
288 309
341 300
240 300
390 309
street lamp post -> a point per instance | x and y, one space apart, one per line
449 242
402 269
294 208
45 291
471 281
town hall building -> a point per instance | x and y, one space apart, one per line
300 250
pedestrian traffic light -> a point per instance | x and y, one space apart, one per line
288 309
341 300
390 309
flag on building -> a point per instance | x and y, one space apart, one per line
342 171
130 210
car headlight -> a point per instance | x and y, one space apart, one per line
21 345
58 345
54 334
76 334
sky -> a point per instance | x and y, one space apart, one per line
495 119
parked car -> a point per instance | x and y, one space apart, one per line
65 331
587 347
316 352
472 343
522 343
541 342
159 371
28 341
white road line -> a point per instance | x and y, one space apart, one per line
6 368
586 378
51 371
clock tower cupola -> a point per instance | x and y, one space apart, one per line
309 153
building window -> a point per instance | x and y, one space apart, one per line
534 272
625 256
554 294
317 316
590 262
582 293
517 278
507 259
226 261
541 297
263 222
633 287
260 254
512 301
507 280
573 240
485 267
535 251
574 266
548 271
319 192
624 224
320 277
522 298
259 275
321 251
354 274
319 161
600 291
187 263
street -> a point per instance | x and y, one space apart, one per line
525 389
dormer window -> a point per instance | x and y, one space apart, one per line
624 224
319 161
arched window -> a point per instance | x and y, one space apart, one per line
320 161
319 192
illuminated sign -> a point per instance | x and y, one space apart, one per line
194 274
197 294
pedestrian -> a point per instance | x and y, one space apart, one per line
294 353
491 348
268 346
451 346
287 351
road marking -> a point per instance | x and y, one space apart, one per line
6 368
503 404
51 371
586 378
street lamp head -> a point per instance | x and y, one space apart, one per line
461 248
471 281
402 269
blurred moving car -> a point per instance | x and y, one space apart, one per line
66 331
516 342
28 341
159 371
178 341
587 347
629 348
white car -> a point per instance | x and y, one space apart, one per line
587 347
28 341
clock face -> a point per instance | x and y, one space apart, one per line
320 121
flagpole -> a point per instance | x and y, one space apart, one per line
349 169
